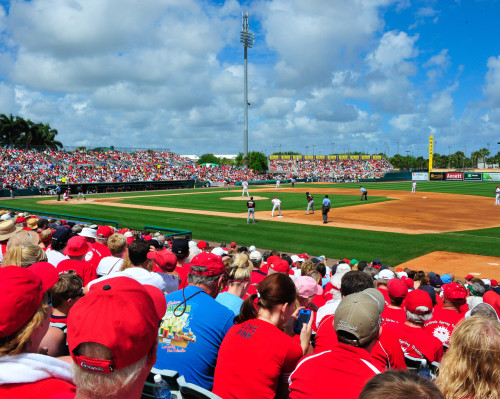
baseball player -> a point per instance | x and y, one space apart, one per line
81 193
276 205
251 210
364 193
245 189
310 203
277 185
497 196
414 187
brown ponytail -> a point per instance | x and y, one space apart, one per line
276 289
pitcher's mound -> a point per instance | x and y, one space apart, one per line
243 198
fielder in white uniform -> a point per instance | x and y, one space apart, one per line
276 205
414 187
245 189
497 196
277 185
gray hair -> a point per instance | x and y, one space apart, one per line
197 279
419 318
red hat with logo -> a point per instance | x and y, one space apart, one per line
120 314
77 246
166 260
397 288
494 283
213 263
469 276
493 299
21 293
277 264
418 302
454 292
104 232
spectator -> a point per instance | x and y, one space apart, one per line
348 365
24 255
471 367
257 338
400 385
65 293
7 230
383 278
117 245
394 313
238 281
414 340
484 310
59 240
180 248
112 338
257 275
446 318
75 250
24 320
194 353
100 248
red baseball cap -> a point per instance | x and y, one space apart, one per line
494 283
409 282
418 302
77 246
121 314
493 299
454 292
202 244
469 276
213 263
397 288
277 264
104 232
165 259
21 293
233 245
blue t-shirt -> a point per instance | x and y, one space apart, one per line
189 343
230 301
327 202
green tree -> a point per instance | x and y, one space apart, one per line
208 158
256 160
17 132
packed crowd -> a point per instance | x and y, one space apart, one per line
87 311
335 170
21 168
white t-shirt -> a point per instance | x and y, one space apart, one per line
109 264
54 257
276 201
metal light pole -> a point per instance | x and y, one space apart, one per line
248 40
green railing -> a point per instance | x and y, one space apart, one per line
170 232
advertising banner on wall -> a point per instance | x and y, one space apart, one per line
354 157
436 176
343 157
472 176
420 176
297 157
321 157
491 176
332 157
285 157
454 176
309 157
366 157
274 157
377 157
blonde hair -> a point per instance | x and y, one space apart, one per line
307 267
102 385
117 244
17 342
24 255
127 264
316 276
471 367
239 271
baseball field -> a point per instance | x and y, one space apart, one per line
444 226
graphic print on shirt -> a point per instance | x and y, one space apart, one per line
174 332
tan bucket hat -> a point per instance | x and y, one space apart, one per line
8 229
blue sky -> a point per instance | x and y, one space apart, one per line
367 75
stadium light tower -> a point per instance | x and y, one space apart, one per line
248 40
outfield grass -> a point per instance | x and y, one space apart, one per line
333 242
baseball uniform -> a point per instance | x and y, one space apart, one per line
310 203
245 188
277 185
497 196
251 209
276 205
414 187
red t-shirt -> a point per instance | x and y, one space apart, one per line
43 389
385 293
252 358
319 300
386 353
255 278
83 269
443 323
340 372
393 316
417 342
96 253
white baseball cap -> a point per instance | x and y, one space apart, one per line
386 273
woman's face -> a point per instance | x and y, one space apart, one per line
39 333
